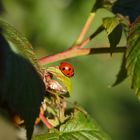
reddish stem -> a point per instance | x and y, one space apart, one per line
73 52
84 30
75 49
63 55
45 121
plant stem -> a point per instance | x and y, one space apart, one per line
73 52
45 121
108 50
88 39
85 29
63 55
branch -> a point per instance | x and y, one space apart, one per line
63 55
77 49
107 50
84 30
88 39
45 121
73 52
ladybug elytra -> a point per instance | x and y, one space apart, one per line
67 69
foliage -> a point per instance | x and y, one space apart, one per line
103 4
133 56
130 8
48 89
79 126
113 29
122 75
19 80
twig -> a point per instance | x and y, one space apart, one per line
45 121
88 39
108 50
63 55
84 30
77 49
74 52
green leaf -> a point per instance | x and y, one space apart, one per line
110 23
48 136
78 127
21 87
133 56
122 75
102 4
60 76
114 30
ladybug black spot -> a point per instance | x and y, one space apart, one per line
66 69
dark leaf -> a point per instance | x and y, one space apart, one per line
129 8
19 44
1 7
122 75
133 56
114 30
115 36
102 4
21 87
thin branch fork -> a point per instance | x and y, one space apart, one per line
77 48
85 29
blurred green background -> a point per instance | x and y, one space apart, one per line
51 27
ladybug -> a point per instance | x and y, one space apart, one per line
67 69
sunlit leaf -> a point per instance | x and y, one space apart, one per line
79 127
110 23
114 30
133 56
21 87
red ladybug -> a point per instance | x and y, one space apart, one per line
67 69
